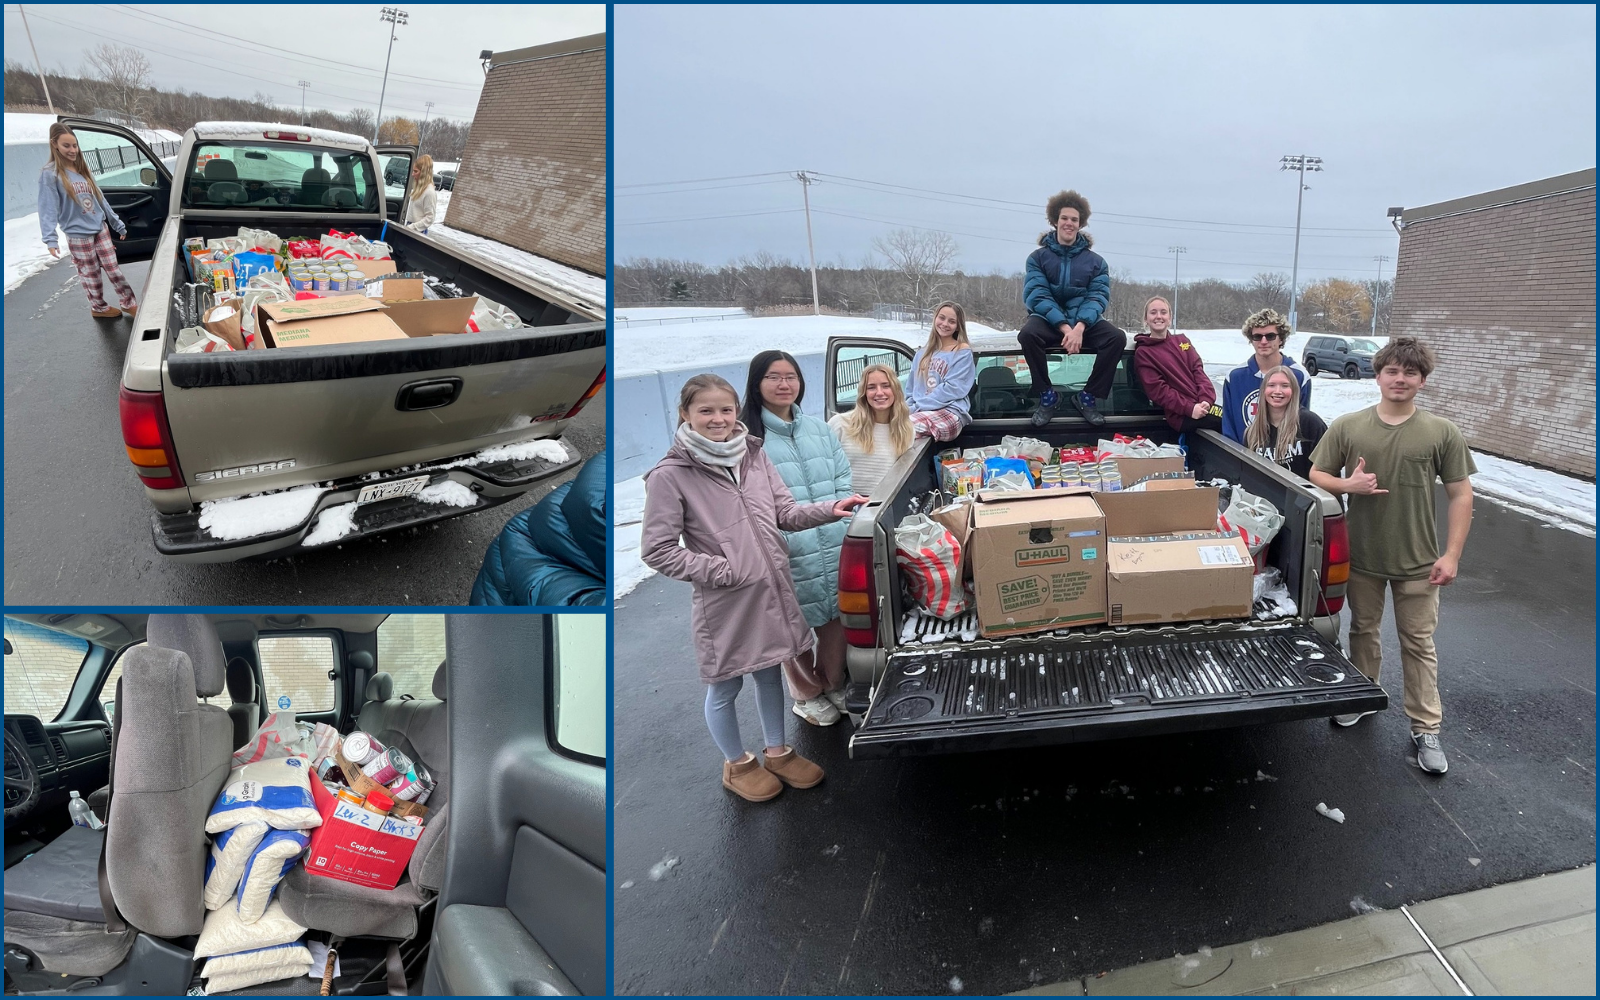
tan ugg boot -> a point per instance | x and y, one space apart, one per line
793 769
110 312
749 780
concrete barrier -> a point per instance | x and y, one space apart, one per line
23 163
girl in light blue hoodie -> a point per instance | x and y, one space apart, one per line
69 197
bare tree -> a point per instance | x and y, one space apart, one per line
921 262
126 71
359 121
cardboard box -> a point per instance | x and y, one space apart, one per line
957 519
432 317
357 845
311 322
376 268
361 785
1134 470
1167 562
1038 561
393 288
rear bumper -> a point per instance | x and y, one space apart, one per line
181 538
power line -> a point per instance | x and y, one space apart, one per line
706 180
716 187
703 218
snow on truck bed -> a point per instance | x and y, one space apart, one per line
585 289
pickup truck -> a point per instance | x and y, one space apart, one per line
367 426
1099 682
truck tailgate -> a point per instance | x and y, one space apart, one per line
980 696
321 413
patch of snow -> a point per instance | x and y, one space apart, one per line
1360 905
661 869
626 885
23 128
1264 776
628 568
1337 815
262 514
253 130
441 205
588 290
26 254
662 315
521 451
448 491
332 525
956 985
1561 500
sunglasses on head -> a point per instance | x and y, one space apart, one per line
1264 336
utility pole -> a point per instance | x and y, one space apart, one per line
36 64
395 17
805 190
303 84
427 111
1175 251
1302 163
1377 289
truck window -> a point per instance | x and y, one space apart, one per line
114 161
1005 394
294 673
40 668
410 649
108 690
580 684
852 361
277 176
396 172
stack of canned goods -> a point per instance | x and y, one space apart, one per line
406 780
309 275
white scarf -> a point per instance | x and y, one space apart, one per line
727 454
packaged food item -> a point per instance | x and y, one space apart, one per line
378 802
346 795
406 787
386 766
224 321
359 748
995 467
248 264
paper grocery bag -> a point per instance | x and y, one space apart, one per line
223 320
957 519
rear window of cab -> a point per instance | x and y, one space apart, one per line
279 176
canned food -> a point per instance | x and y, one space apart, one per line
319 282
346 795
336 281
355 279
427 790
359 748
405 788
299 280
387 766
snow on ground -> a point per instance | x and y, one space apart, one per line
23 128
441 206
647 348
587 289
663 315
627 520
26 254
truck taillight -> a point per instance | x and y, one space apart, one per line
1335 565
858 593
148 439
594 390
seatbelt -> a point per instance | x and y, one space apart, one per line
114 922
397 972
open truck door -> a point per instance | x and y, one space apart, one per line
137 185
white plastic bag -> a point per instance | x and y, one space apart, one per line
1272 598
1252 518
276 792
193 340
267 866
1027 447
260 238
930 557
230 852
491 315
277 737
225 934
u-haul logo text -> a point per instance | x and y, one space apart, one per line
1044 557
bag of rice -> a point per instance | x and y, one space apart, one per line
276 792
230 852
243 980
225 934
278 853
257 960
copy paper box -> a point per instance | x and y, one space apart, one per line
1167 562
313 322
357 845
1038 561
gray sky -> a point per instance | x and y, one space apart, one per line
1164 113
236 51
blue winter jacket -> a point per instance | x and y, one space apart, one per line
1071 285
814 467
554 553
1242 391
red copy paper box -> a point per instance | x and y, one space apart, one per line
358 845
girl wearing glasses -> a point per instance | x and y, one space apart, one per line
941 377
1267 331
815 469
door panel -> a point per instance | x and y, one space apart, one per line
137 185
395 162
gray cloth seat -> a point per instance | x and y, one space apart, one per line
53 907
347 909
245 712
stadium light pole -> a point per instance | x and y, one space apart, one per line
395 18
303 84
805 189
1175 251
1301 163
1377 289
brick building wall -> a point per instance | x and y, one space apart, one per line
1502 287
534 171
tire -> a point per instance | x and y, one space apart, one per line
1311 367
1351 371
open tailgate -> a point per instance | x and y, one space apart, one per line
984 696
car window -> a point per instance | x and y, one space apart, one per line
580 684
1364 345
410 649
114 161
396 171
1002 385
294 673
108 690
850 362
40 667
277 176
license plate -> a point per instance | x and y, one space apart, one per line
388 491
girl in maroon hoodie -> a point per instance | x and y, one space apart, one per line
1172 374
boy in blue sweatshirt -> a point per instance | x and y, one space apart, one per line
1267 331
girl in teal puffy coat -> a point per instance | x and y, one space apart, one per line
814 467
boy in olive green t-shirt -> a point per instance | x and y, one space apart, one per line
1394 453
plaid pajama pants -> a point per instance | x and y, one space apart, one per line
89 255
941 425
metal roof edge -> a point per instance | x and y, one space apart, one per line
1575 181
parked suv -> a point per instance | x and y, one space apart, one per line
1348 357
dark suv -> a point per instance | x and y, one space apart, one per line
1349 357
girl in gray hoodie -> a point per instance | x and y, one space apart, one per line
69 197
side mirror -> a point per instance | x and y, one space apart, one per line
1342 349
147 176
8 647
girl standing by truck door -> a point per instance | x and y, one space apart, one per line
424 201
877 431
815 468
714 513
941 377
68 196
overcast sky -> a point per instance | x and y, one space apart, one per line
238 50
1156 114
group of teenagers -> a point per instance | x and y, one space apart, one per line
749 503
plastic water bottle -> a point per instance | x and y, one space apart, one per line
81 814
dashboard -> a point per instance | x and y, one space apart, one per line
68 756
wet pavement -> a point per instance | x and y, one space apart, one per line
1000 871
78 525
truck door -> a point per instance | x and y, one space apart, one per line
849 356
137 185
395 163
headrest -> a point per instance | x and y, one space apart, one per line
241 682
196 636
380 687
221 170
314 175
440 689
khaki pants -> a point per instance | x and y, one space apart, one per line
1416 616
820 668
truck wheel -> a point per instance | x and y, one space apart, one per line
1352 372
1311 367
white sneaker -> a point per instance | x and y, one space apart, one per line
837 698
1349 720
818 711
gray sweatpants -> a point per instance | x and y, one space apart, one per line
723 719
